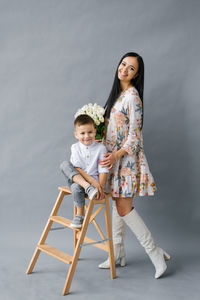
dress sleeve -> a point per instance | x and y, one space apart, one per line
132 143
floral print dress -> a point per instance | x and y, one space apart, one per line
130 175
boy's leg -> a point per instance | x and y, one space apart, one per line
68 170
78 194
72 175
80 210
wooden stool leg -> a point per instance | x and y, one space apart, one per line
57 204
75 231
45 232
78 249
33 261
110 242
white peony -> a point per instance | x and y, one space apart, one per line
95 111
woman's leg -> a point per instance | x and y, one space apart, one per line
118 233
124 205
138 227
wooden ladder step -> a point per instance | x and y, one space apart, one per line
66 190
56 253
102 246
63 221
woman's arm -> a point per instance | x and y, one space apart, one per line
111 158
132 142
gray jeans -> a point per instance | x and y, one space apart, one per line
78 192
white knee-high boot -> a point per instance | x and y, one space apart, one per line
156 254
118 232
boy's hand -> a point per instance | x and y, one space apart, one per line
98 186
100 194
95 183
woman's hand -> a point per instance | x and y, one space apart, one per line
109 160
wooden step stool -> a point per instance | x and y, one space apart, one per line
79 236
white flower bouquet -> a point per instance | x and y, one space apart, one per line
96 112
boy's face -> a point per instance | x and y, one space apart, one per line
85 133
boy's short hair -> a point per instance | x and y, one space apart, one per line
83 120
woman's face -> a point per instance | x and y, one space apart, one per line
128 69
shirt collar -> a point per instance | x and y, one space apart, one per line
84 147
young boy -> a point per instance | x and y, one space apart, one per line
84 174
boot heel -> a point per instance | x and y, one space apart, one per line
166 255
122 261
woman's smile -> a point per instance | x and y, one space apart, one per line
128 69
122 74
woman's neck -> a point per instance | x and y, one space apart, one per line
125 85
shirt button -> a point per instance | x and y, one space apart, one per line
87 156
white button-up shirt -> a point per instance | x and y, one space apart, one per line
87 158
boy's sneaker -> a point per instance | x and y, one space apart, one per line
77 221
91 191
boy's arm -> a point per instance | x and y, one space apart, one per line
102 171
88 178
94 182
102 179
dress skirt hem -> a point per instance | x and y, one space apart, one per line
132 185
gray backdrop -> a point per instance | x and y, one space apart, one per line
55 56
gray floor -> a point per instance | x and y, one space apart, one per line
135 281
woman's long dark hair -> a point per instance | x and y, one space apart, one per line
137 82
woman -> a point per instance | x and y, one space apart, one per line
129 172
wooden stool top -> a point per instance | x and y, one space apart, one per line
66 190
